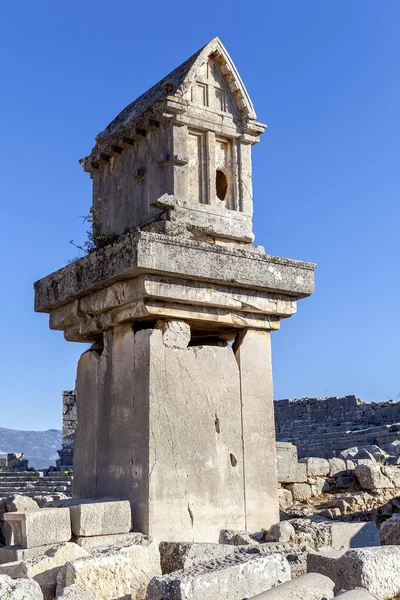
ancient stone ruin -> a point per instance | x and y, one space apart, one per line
325 427
174 398
177 483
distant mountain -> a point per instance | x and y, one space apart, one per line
39 447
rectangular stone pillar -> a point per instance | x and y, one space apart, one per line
166 426
253 353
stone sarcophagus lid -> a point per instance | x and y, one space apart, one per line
174 397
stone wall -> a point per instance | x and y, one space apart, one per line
326 426
69 423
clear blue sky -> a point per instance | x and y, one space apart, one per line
324 76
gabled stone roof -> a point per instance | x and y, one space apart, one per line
176 84
170 88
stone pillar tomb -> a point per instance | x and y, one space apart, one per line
174 396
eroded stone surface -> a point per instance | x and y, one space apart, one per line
232 578
311 586
101 518
41 527
20 589
115 572
375 569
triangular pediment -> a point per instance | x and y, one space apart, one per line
212 81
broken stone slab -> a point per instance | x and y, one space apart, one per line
176 556
101 518
76 591
44 569
231 578
113 573
19 589
370 477
375 569
40 528
311 586
315 466
356 594
94 543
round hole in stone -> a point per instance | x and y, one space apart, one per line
221 184
233 460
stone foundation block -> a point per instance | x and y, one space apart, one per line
336 466
106 541
300 491
375 569
114 573
311 586
231 578
354 535
17 553
101 518
316 467
20 589
39 528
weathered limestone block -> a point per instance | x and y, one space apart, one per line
316 466
318 485
19 589
176 556
176 334
370 477
106 541
253 354
285 498
375 569
44 569
17 553
101 518
280 532
356 594
390 531
300 491
18 503
231 578
393 474
336 466
238 538
311 586
39 528
288 468
354 535
115 572
76 591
